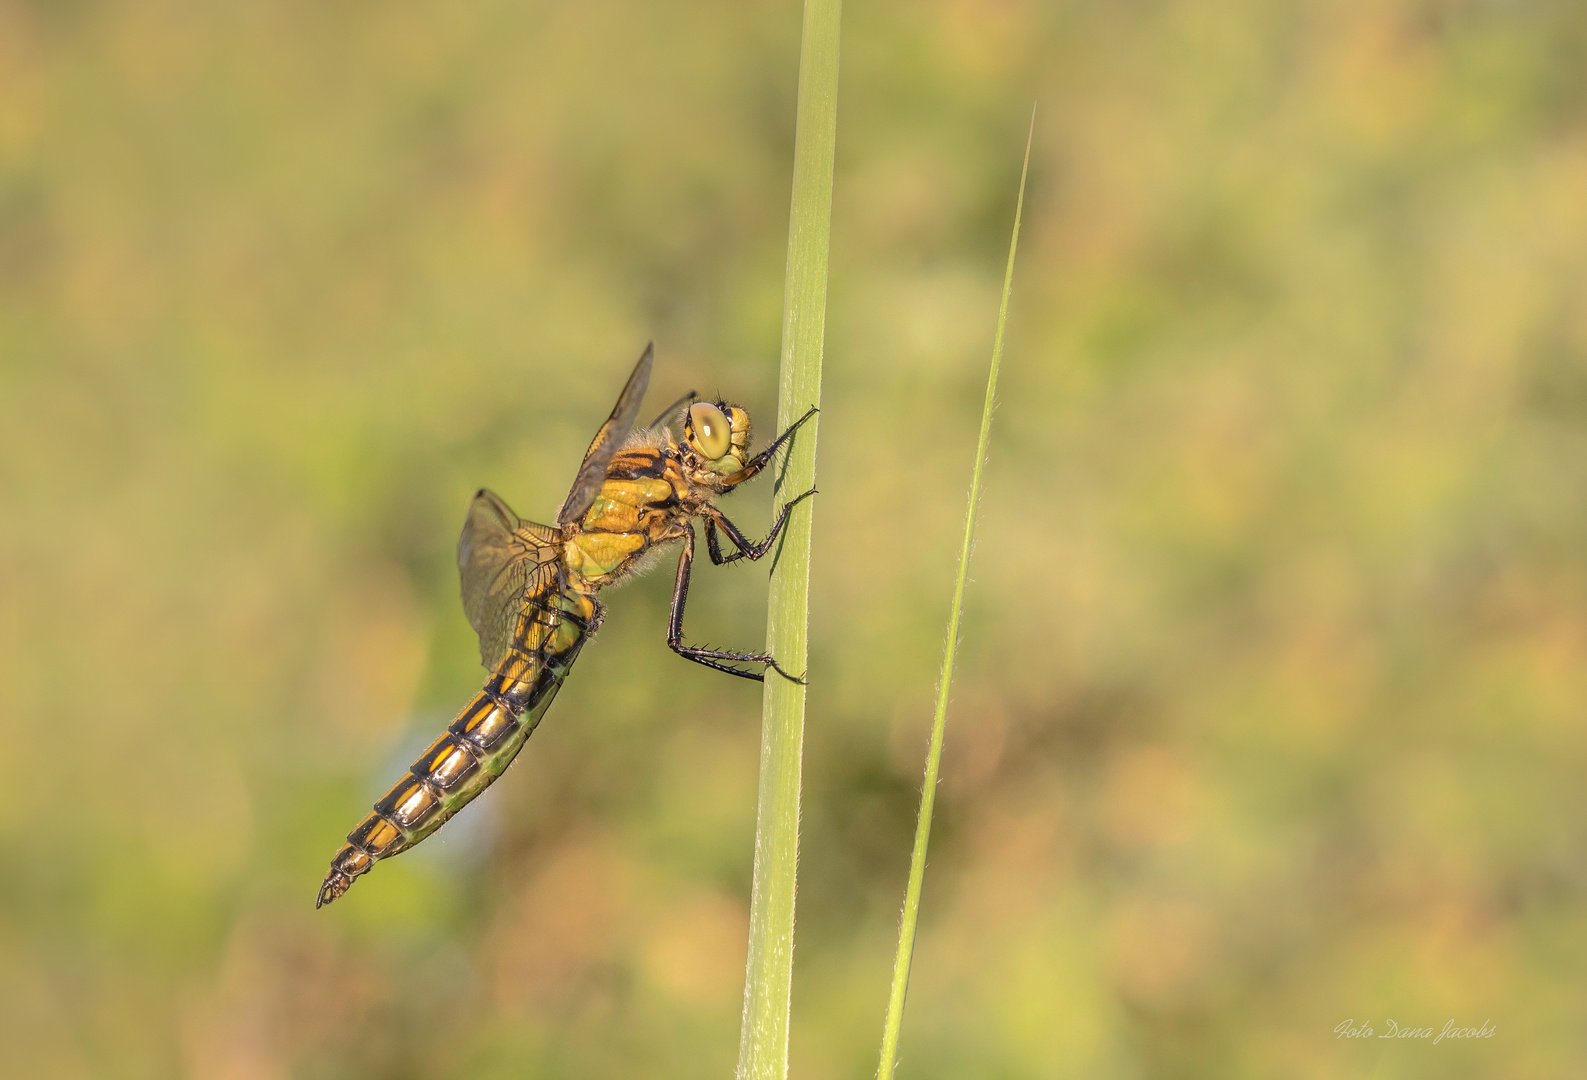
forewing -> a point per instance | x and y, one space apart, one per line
592 473
501 559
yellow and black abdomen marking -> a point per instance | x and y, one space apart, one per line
476 749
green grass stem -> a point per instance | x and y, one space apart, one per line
928 791
763 1039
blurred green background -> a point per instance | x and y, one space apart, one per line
1272 697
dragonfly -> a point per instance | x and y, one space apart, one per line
530 593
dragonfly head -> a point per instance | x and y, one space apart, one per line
718 435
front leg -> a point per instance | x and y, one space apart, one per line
747 548
758 462
711 658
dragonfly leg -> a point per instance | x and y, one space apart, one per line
747 548
711 658
758 462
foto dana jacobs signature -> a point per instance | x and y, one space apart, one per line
1349 1029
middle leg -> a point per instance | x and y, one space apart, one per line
747 548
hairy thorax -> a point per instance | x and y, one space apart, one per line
646 500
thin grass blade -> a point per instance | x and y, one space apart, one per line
928 792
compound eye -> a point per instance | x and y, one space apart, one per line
712 433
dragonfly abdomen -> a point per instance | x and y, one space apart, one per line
476 749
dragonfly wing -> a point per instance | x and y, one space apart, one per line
592 473
670 413
501 560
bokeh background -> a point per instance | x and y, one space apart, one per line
1272 698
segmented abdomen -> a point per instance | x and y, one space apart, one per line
476 749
